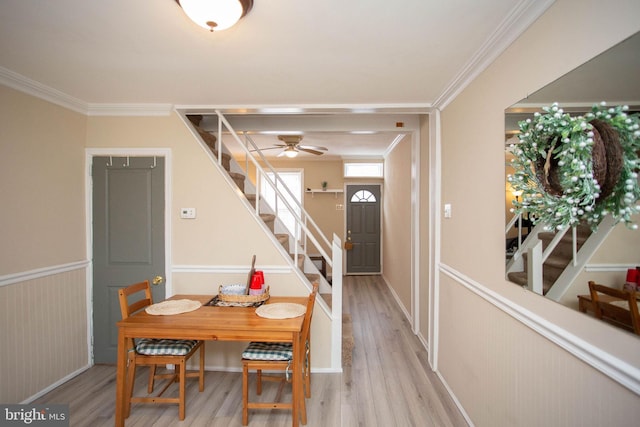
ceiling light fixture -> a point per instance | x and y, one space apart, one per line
290 152
215 15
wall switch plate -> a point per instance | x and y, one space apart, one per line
188 213
447 210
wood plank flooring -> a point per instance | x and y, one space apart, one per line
389 383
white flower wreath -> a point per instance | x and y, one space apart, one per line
566 142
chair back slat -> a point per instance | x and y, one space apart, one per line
604 310
126 308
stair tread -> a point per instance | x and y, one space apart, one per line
547 236
520 278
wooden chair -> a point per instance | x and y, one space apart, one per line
260 356
154 352
625 316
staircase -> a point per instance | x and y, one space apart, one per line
268 218
306 228
548 262
561 256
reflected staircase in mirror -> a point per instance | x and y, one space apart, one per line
548 262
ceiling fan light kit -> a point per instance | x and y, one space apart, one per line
292 147
215 15
290 152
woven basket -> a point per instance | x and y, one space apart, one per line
614 157
607 157
243 299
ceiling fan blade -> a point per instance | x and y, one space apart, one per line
312 147
263 149
308 150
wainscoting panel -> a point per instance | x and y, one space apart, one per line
507 366
43 330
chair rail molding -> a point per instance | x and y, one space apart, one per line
23 276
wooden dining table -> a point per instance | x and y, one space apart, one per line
212 323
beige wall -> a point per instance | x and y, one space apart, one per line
501 370
396 223
41 182
43 316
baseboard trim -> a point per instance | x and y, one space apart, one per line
455 399
56 384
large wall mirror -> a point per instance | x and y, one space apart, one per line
612 77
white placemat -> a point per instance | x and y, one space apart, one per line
176 306
281 310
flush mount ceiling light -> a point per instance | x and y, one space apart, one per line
215 15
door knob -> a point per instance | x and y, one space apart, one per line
157 280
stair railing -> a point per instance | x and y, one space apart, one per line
581 257
303 220
536 257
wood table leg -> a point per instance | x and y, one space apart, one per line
121 379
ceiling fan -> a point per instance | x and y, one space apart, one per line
292 146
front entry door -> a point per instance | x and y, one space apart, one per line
128 239
363 229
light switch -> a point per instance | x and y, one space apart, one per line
447 210
188 213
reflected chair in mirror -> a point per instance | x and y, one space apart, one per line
619 308
155 352
259 356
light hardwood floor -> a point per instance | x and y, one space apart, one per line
389 383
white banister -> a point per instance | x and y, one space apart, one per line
534 268
304 218
336 303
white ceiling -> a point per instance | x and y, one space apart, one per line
330 55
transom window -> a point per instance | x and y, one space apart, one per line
363 170
363 196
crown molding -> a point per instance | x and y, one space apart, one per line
38 90
31 87
525 13
393 144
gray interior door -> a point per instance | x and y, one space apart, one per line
363 228
128 239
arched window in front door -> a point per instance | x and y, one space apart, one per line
363 196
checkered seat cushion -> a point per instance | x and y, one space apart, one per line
268 351
158 347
